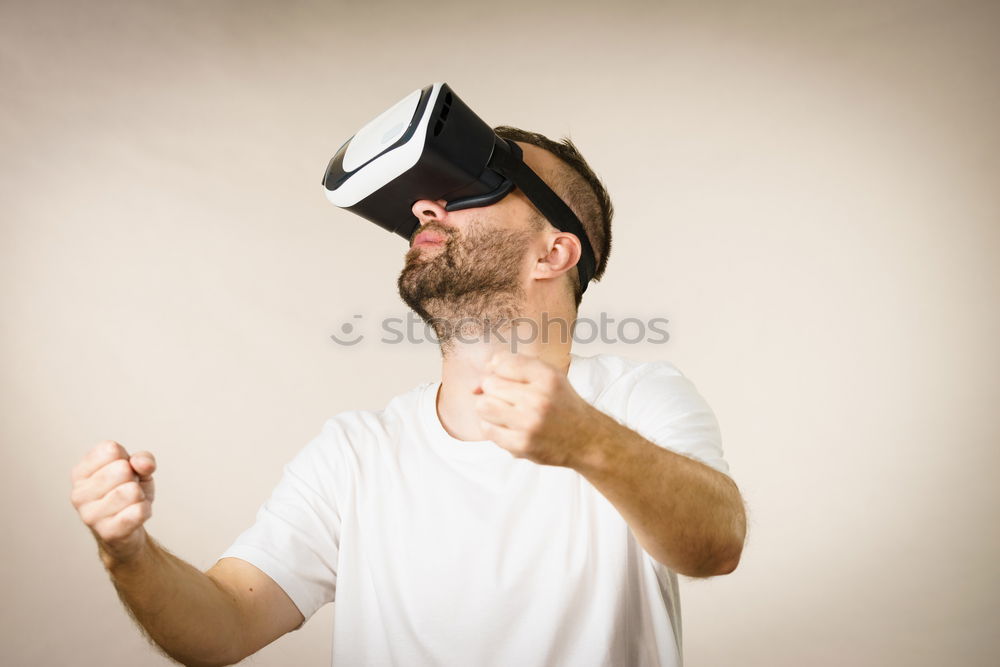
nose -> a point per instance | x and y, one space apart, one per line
427 210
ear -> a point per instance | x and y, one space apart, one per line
562 251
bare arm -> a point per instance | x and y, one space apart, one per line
684 513
184 611
197 618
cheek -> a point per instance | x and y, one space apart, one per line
531 261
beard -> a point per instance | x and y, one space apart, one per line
467 285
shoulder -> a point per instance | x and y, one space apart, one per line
616 374
656 384
658 401
353 435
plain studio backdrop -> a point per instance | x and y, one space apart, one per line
808 192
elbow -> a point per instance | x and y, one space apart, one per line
723 560
721 553
729 565
731 559
715 568
730 556
203 661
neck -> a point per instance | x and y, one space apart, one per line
464 363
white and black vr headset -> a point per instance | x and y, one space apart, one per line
430 145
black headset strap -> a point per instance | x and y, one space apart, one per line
507 160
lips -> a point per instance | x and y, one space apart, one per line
428 237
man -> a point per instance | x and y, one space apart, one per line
531 508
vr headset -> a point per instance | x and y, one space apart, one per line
430 145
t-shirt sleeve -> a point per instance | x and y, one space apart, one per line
664 407
296 534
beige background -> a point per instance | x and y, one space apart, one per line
808 191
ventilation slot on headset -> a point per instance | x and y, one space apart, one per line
443 115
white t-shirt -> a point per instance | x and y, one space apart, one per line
440 551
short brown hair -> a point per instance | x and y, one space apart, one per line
581 189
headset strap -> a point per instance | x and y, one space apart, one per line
508 161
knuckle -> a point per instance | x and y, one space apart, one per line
88 514
131 491
124 523
136 515
76 496
101 527
120 469
109 447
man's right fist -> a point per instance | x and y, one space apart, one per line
113 493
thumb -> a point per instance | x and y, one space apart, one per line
144 463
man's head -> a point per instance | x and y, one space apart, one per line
483 263
564 169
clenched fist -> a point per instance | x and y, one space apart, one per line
113 493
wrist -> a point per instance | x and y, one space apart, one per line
118 559
597 448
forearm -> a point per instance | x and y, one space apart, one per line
684 514
190 617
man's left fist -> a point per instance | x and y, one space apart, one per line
530 409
